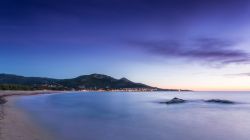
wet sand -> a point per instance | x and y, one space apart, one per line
15 124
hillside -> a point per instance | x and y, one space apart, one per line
93 82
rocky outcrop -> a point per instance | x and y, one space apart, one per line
174 101
219 101
178 101
2 100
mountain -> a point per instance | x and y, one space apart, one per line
15 82
84 82
98 81
93 81
21 80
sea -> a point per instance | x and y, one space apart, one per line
140 115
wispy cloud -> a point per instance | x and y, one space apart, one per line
238 74
206 50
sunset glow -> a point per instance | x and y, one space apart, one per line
187 44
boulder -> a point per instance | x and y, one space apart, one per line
219 101
2 100
175 101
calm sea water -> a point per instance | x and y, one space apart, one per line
139 116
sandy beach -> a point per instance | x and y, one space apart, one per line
15 124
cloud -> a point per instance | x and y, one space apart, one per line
238 74
246 74
210 51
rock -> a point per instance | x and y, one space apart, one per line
2 100
219 101
175 101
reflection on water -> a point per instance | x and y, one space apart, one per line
135 116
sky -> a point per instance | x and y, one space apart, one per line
188 44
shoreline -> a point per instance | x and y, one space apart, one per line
10 93
7 93
15 124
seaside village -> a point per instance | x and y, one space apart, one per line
82 88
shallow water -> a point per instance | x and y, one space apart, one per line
135 116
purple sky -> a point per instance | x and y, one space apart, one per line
165 43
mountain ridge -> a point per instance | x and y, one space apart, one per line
83 82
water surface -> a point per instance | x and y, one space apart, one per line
135 116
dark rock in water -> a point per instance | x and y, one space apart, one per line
175 101
2 100
219 101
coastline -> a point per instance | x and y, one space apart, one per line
16 124
23 93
